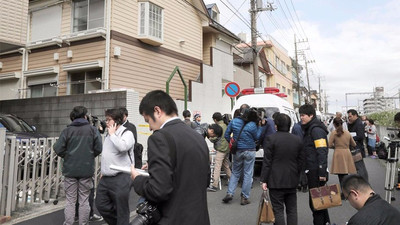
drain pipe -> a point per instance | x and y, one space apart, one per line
106 77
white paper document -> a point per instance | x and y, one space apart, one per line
128 170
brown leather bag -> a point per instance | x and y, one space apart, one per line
326 196
265 213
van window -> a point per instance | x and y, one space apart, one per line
269 111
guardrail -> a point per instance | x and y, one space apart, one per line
30 172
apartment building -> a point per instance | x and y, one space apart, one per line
66 47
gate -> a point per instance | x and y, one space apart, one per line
30 172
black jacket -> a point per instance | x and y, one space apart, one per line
376 211
316 146
78 145
178 189
283 160
358 128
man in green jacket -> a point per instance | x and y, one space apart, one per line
78 145
221 147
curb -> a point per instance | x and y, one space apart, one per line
4 219
33 210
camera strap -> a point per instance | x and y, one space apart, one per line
129 152
240 132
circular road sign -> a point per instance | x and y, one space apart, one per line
232 89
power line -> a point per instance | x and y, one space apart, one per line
297 17
290 25
292 18
236 11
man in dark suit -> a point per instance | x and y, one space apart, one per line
137 151
282 164
178 160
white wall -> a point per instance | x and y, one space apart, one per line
207 96
9 89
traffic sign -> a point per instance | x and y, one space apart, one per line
232 89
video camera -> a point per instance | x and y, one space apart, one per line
96 122
250 114
394 134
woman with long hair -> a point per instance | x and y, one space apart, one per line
342 161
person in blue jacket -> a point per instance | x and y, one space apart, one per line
243 160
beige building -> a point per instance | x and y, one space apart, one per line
78 46
274 65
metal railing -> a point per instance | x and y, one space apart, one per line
30 172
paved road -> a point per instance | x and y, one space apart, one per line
235 214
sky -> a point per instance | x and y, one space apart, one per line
355 44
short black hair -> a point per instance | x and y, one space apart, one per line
217 116
116 115
282 122
371 121
78 112
397 117
157 98
353 112
217 129
245 106
354 182
124 111
275 115
186 113
307 109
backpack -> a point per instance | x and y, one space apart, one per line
381 150
137 153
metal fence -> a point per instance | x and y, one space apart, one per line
30 172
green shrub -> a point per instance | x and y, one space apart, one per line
384 118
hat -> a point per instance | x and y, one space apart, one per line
197 115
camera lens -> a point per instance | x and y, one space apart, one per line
139 220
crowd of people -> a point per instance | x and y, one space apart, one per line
179 174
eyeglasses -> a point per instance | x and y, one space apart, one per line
347 197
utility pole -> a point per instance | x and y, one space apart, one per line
326 103
255 7
308 79
297 70
319 92
254 42
297 65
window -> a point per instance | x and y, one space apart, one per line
43 90
88 14
150 23
83 82
278 86
283 89
46 23
288 91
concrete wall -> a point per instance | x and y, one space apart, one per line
50 115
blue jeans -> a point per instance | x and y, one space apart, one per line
243 162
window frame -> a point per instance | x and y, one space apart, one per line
144 29
85 81
43 86
87 16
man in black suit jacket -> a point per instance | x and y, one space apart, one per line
283 162
137 152
178 160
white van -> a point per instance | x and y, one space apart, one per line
266 98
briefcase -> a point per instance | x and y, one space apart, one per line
327 196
